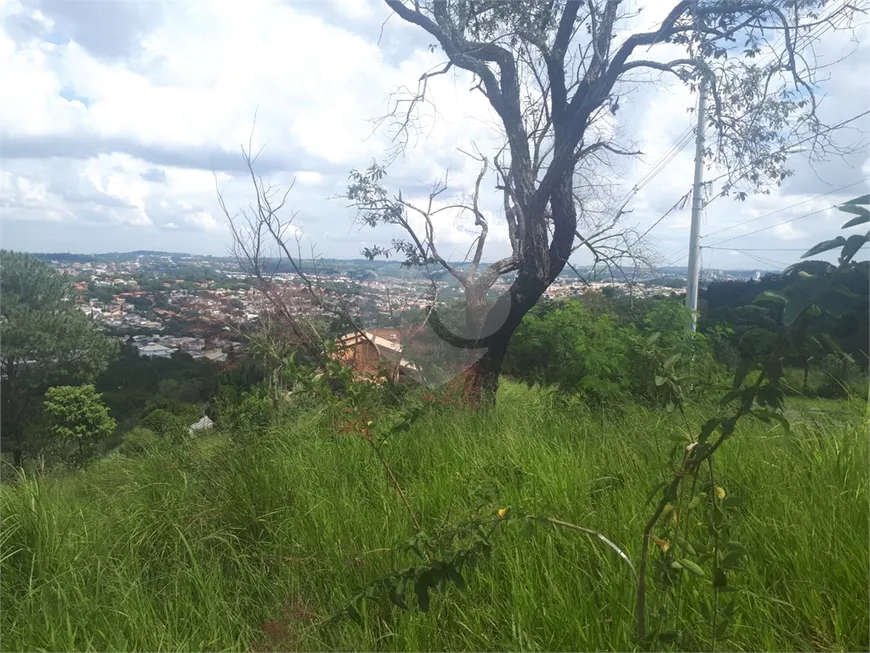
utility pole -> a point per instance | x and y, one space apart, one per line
697 188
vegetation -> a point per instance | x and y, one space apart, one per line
79 420
217 545
46 341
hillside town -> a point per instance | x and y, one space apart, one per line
166 303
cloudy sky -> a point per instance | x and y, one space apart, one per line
118 118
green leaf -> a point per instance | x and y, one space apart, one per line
652 339
421 589
861 199
779 417
742 370
731 501
684 544
456 577
696 500
671 360
770 297
824 246
707 429
660 380
730 560
691 567
852 245
735 546
396 595
862 213
720 578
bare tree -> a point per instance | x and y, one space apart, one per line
553 69
265 240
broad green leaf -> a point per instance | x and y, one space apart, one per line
730 560
824 246
853 244
845 291
862 199
770 297
697 499
456 577
862 213
421 588
660 380
735 546
691 567
720 578
709 426
397 597
684 544
742 370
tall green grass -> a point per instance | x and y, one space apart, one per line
226 546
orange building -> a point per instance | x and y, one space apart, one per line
372 351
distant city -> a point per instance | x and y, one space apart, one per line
163 302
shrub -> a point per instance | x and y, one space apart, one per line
165 424
138 441
79 420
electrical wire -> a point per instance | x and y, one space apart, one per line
773 226
767 215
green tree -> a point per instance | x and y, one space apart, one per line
165 424
45 341
79 419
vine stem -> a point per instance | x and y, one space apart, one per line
591 533
395 483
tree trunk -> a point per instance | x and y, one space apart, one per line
477 385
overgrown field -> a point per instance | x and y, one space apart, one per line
218 545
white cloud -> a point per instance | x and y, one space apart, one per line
128 132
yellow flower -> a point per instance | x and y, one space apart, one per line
664 545
502 512
369 423
720 493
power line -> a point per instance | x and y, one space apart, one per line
778 224
767 215
757 249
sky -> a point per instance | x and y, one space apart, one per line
120 119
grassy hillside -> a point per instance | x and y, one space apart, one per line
218 545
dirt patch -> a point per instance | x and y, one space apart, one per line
285 632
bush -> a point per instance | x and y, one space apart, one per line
569 345
165 424
138 441
564 344
842 377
